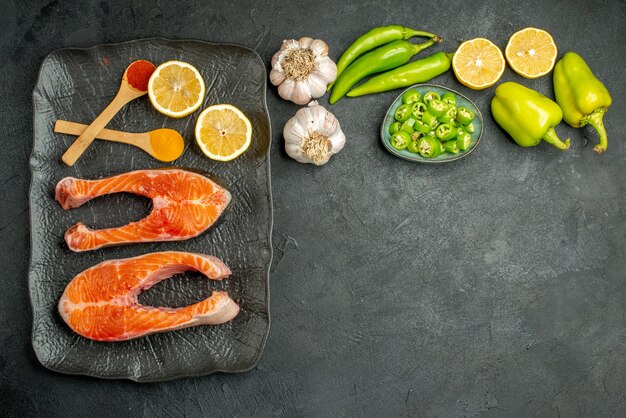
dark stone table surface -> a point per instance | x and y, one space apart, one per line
490 286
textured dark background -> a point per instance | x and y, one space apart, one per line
490 286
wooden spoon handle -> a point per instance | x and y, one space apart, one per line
86 138
73 128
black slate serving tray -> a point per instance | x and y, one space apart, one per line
76 84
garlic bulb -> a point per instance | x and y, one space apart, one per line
302 70
313 135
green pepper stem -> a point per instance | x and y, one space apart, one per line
595 120
409 33
419 47
552 138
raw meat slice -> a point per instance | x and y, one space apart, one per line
101 302
184 204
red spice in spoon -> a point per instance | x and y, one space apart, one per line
138 74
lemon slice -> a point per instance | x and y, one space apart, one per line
176 89
478 63
531 52
223 132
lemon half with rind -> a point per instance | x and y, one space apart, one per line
478 63
176 89
531 52
223 132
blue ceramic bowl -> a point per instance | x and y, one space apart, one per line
445 157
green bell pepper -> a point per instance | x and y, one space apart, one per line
527 115
583 97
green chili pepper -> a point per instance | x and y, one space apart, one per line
463 140
402 113
414 72
429 147
445 132
431 95
430 120
437 107
449 98
582 97
416 135
418 109
420 126
411 96
412 147
394 127
452 147
458 130
400 140
448 117
407 125
527 115
375 38
383 58
470 128
464 115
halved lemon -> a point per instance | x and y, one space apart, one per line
176 89
531 52
478 63
223 132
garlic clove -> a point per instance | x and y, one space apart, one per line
291 43
317 86
338 141
276 58
330 125
286 88
294 131
326 69
295 152
301 93
316 115
305 42
319 47
277 77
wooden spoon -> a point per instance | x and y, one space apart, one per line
163 144
125 94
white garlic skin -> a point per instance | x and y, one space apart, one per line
314 85
314 119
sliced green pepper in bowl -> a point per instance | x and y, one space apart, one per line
400 140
